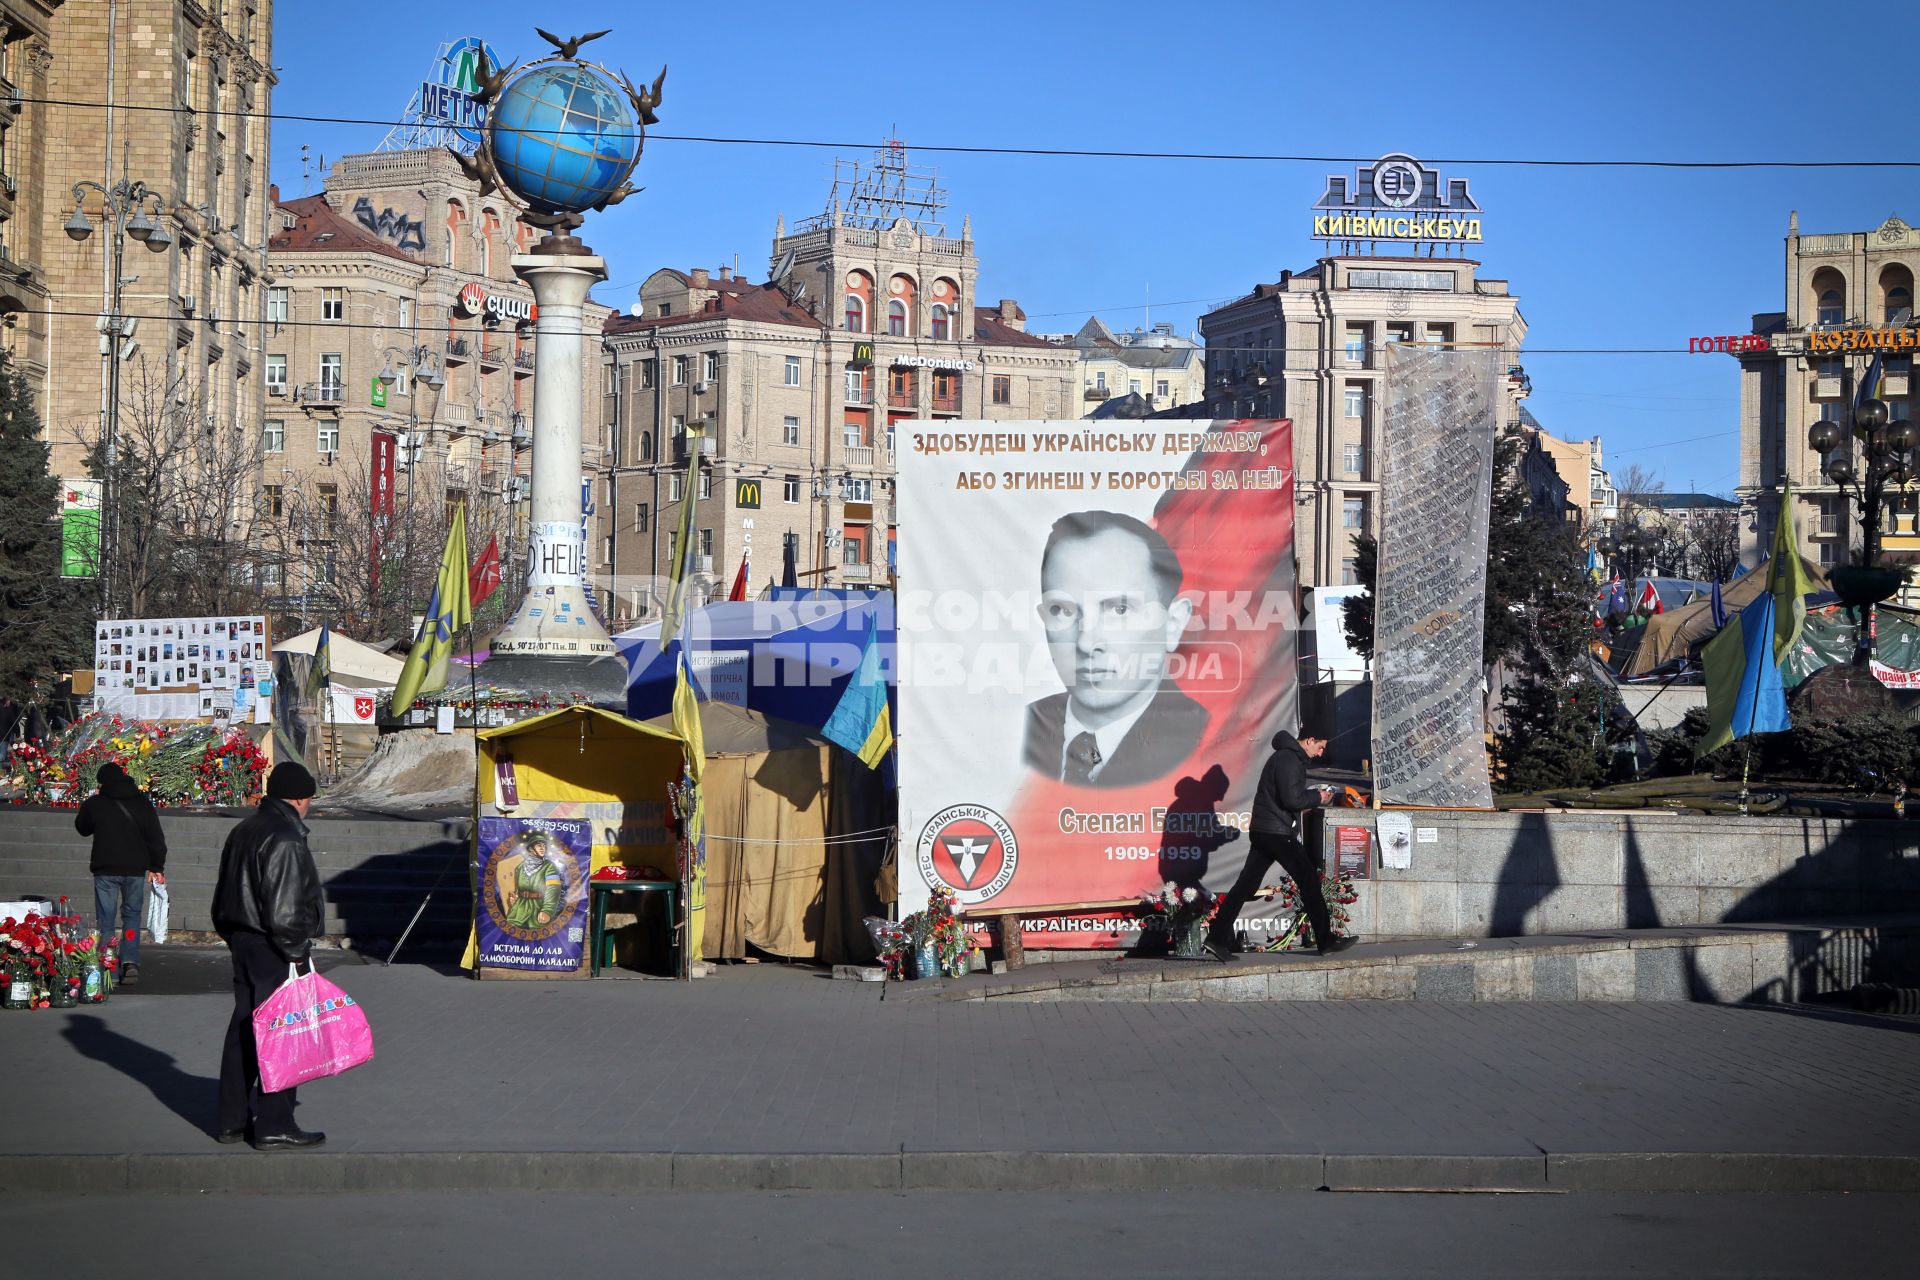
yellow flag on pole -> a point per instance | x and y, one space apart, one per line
449 610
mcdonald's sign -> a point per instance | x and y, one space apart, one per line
862 355
746 493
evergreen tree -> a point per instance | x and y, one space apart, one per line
1356 611
45 620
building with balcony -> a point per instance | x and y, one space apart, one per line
191 88
869 320
1857 287
1165 370
394 309
1312 346
25 56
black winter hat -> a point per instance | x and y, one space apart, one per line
289 781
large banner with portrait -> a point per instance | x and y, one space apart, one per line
533 893
1096 638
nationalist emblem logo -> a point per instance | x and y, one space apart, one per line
970 849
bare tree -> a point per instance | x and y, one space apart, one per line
1637 481
1715 550
181 531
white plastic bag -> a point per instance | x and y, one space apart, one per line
157 911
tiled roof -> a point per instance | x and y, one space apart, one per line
318 229
736 300
989 327
1684 501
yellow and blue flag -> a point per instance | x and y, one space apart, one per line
861 722
674 608
1788 581
1744 691
320 674
450 609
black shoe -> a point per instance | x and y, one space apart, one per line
1338 944
129 974
227 1137
1221 953
289 1141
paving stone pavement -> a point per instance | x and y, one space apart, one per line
765 1059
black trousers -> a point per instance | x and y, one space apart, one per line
1267 849
258 971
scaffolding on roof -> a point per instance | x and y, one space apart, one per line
874 196
419 127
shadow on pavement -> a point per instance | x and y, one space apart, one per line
192 1098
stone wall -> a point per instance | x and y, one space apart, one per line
1505 874
374 872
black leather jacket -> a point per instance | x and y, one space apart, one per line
268 883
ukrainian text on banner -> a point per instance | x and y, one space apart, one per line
1096 642
1429 722
533 893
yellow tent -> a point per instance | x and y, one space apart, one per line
560 796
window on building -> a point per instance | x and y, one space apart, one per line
277 305
1353 513
1100 380
854 434
706 484
406 313
940 324
1133 386
790 430
1356 346
896 318
1400 332
641 518
646 446
329 570
891 424
856 489
900 388
791 377
706 543
1440 335
276 375
273 437
673 546
1833 307
646 374
663 309
331 378
333 304
1002 389
1354 458
946 389
269 575
273 501
853 544
1827 550
790 489
676 482
327 510
679 371
327 435
1349 572
710 367
1899 299
1829 515
1160 389
1356 406
1829 367
856 386
856 314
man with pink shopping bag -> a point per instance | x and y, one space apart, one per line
267 906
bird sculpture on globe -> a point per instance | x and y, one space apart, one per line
564 135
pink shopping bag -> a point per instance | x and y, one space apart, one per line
307 1029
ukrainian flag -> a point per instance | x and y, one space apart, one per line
1744 692
449 610
1788 581
861 722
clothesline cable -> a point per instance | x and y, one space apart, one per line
857 837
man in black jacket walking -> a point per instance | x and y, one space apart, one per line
267 906
1281 798
129 853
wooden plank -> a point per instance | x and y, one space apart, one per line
1049 909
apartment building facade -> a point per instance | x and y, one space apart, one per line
1312 347
869 321
26 55
1848 304
394 312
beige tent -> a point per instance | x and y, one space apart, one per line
796 833
354 664
1671 635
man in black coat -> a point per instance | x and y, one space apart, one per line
267 906
1278 802
129 853
1111 605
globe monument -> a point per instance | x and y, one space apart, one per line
562 136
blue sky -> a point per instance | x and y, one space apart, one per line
1599 257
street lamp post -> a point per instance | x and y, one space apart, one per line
1886 460
123 210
